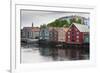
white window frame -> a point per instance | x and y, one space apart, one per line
68 33
68 36
77 33
77 36
77 40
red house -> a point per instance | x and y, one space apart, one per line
77 34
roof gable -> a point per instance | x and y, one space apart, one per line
81 27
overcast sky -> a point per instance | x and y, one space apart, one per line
43 17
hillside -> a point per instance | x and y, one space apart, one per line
67 21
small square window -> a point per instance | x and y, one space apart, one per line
68 40
77 36
68 32
77 32
72 32
68 36
77 40
73 36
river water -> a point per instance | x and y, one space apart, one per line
33 53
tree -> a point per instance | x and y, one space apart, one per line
58 23
73 20
43 26
64 23
79 21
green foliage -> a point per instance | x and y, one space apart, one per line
79 21
43 26
63 23
59 23
75 21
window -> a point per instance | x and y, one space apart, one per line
55 33
72 32
68 36
68 32
77 36
73 40
55 36
76 29
77 40
68 40
77 32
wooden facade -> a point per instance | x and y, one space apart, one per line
30 32
62 34
76 33
53 35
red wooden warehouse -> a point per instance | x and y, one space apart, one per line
77 34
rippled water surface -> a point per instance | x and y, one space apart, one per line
33 53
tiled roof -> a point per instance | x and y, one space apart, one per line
34 29
27 28
65 29
58 28
81 27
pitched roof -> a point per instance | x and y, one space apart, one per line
81 27
34 29
65 29
27 28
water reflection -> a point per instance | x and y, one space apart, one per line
46 54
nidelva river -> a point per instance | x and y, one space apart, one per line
33 53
